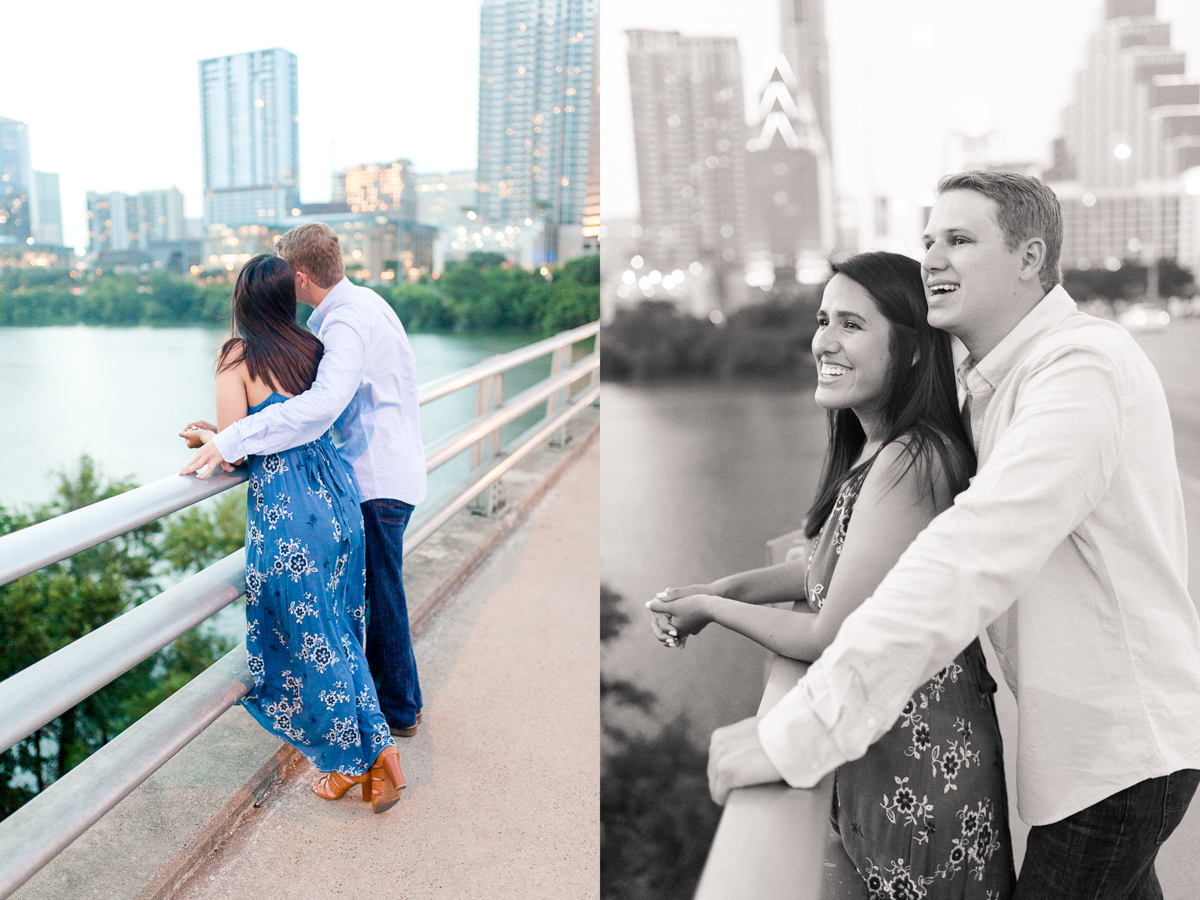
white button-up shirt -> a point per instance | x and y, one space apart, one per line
366 388
1070 544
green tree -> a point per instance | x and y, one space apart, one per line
656 819
48 609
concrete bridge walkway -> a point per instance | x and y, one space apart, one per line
503 776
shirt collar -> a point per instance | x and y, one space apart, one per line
338 294
991 370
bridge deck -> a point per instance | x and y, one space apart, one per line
502 797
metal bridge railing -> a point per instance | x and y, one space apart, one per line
770 843
48 823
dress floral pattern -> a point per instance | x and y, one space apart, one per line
925 812
305 613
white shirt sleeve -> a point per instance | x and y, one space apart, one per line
306 416
1048 469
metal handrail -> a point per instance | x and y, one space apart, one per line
43 827
444 450
48 542
33 835
770 843
456 381
52 685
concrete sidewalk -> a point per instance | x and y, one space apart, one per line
503 777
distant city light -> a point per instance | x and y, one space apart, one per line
628 277
637 262
716 317
1088 200
695 268
1112 264
1122 151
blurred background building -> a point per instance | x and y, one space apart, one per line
537 98
142 231
1127 167
30 211
250 133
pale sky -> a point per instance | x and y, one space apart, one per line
903 75
111 93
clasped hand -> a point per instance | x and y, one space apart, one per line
200 435
678 612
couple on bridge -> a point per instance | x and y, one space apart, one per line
323 522
1047 509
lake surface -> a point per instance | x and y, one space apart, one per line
697 478
121 395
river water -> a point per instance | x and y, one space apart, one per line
697 478
121 395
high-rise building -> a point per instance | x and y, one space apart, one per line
689 128
536 101
112 222
47 210
16 183
802 36
790 185
250 131
378 187
1130 137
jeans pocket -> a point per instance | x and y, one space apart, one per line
393 512
1177 797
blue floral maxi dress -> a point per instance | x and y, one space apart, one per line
305 612
925 812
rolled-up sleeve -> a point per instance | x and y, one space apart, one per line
1048 469
306 416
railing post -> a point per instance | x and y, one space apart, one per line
558 362
489 395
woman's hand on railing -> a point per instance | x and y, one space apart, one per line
208 458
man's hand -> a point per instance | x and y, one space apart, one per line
197 434
210 457
736 759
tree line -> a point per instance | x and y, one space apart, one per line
44 611
481 293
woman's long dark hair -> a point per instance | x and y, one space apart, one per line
922 402
276 350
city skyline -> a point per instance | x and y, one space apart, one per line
903 78
133 124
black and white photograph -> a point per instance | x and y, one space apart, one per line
900 334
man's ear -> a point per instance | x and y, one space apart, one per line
1033 256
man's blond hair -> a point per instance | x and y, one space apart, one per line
314 250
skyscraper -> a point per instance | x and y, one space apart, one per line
689 128
536 68
47 210
790 183
1130 136
802 36
16 183
250 131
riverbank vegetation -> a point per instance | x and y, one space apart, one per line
654 341
657 820
481 293
44 611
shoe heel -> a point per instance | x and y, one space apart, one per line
366 787
387 781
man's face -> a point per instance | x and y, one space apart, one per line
971 278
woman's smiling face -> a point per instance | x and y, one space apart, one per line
851 348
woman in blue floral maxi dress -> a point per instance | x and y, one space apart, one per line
305 557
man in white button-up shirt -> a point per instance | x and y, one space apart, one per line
1070 548
366 388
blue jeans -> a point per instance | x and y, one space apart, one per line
389 645
1107 851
